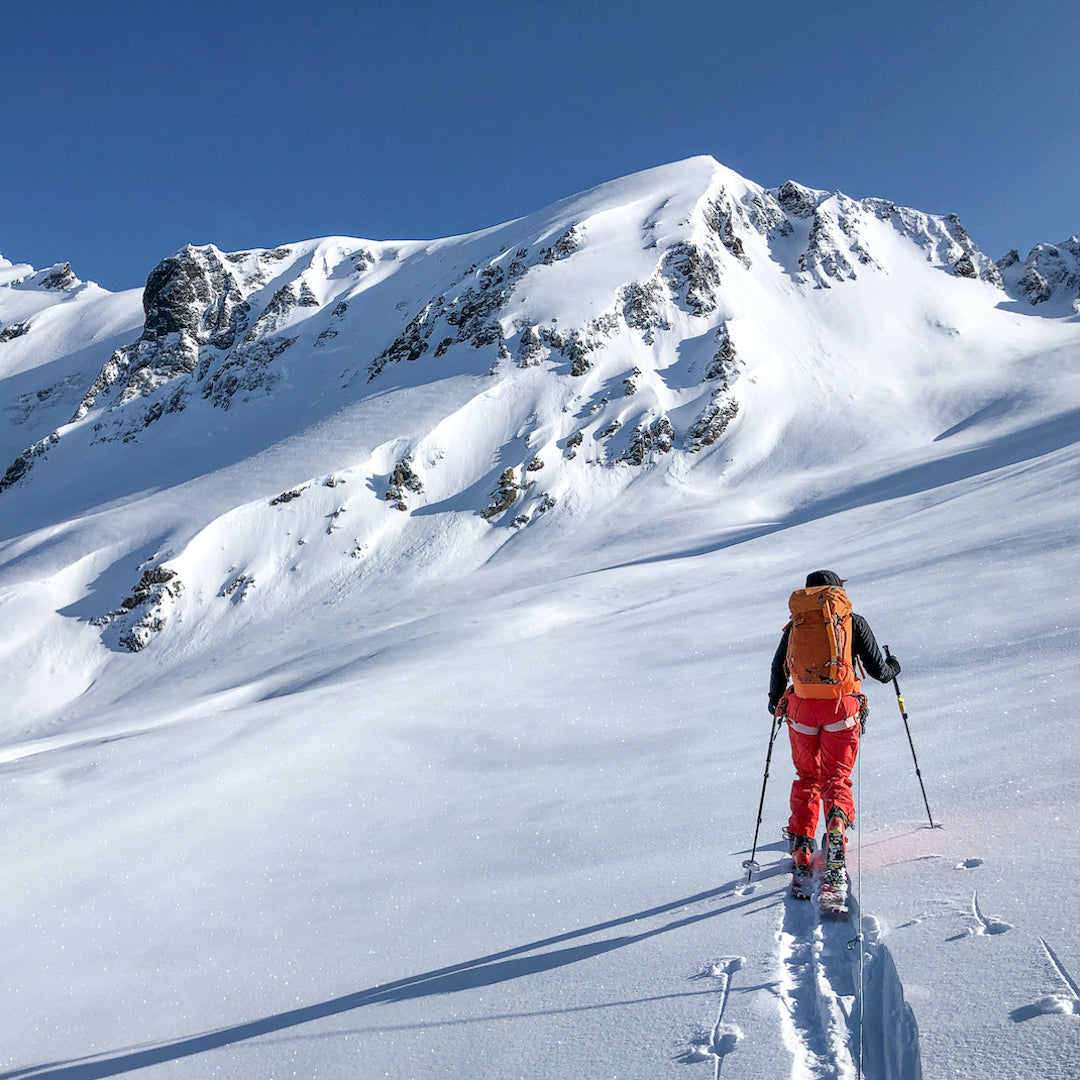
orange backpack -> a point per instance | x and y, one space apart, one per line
819 643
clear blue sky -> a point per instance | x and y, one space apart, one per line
130 129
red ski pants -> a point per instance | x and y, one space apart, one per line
824 745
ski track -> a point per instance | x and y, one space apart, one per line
832 1031
1059 967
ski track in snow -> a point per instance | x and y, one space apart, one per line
1067 1004
833 1030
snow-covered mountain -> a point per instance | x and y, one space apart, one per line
316 527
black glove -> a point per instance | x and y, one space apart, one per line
772 707
894 666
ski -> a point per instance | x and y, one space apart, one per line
802 883
832 898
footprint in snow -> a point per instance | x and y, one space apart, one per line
724 1037
983 924
711 1045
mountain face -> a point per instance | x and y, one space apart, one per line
537 369
386 632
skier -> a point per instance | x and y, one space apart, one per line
824 707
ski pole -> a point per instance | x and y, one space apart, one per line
750 865
903 713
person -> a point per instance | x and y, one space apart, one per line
823 719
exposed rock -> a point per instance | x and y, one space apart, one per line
144 613
192 299
492 334
288 496
402 479
718 217
409 345
25 461
530 348
246 370
573 443
630 382
658 436
823 251
13 331
642 305
964 267
768 217
473 314
237 588
1050 270
576 345
60 277
797 200
535 465
193 293
725 362
504 495
565 246
694 273
1008 260
713 422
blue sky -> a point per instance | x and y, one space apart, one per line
130 129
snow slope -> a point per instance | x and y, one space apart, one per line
302 783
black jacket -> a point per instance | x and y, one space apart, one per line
864 647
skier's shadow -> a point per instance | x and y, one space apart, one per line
472 974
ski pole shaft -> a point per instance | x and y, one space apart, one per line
907 728
750 863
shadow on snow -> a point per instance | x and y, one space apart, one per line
484 971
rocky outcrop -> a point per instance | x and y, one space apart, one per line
656 436
530 348
472 314
192 299
1051 272
144 613
693 272
713 422
13 331
61 277
504 496
725 363
798 201
18 469
403 479
824 256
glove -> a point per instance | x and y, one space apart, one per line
772 707
894 666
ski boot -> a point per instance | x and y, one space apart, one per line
802 852
834 883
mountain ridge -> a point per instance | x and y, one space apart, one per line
486 380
